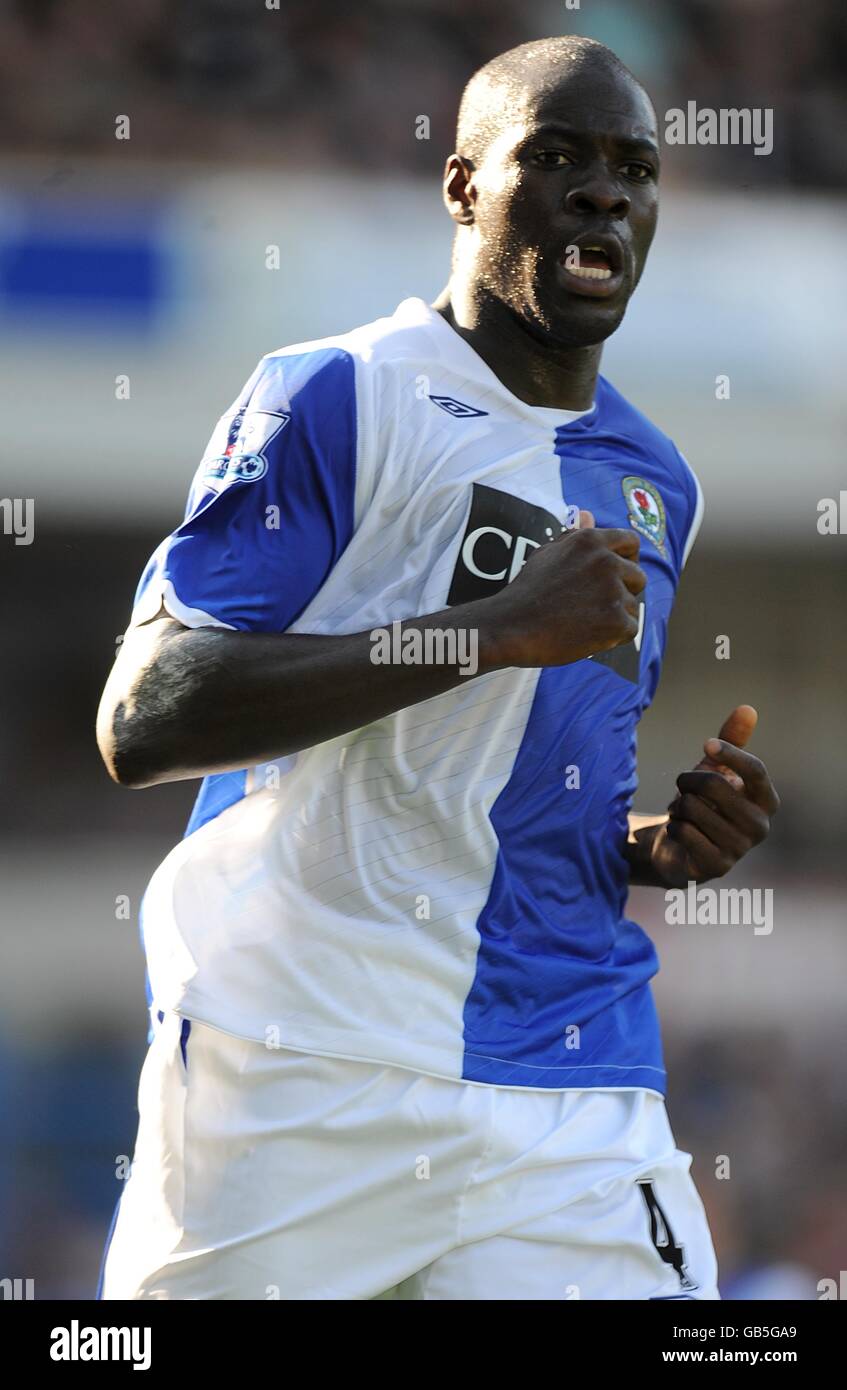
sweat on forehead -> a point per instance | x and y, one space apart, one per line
519 79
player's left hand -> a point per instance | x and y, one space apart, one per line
723 809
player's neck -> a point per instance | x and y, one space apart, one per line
561 378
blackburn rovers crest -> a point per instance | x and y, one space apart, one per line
646 511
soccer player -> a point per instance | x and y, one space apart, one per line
404 1043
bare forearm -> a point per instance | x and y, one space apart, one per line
212 700
188 702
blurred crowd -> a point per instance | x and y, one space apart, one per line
766 1120
317 83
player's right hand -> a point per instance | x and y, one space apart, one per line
575 596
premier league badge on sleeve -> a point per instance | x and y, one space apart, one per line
646 511
244 459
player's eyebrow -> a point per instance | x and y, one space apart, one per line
633 144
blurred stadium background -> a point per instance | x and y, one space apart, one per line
252 127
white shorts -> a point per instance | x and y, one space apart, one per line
262 1174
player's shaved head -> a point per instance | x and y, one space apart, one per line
521 77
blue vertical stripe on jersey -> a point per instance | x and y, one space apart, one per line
561 979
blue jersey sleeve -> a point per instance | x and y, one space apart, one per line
271 507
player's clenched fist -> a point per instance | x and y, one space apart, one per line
574 597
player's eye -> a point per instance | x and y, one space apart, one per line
640 173
551 159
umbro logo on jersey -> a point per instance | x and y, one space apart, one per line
456 408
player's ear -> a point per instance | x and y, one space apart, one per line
459 189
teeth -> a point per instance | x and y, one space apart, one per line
590 272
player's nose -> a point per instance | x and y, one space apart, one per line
597 193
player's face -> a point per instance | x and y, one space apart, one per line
579 168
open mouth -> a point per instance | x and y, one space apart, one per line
590 263
593 265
